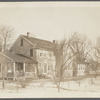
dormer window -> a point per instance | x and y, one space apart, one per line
31 52
21 42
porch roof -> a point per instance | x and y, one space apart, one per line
20 58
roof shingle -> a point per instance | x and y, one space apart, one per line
20 58
39 43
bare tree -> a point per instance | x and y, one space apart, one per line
80 47
6 34
95 61
69 52
64 59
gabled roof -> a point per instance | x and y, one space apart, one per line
19 58
39 43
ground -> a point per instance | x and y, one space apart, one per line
69 90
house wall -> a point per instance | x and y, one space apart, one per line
25 49
30 69
10 69
81 69
4 62
4 70
69 71
45 56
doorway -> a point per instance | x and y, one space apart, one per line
20 69
20 66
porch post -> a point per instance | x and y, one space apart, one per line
14 70
54 65
24 68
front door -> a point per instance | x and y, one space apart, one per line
20 66
20 69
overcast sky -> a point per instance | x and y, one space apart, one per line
52 20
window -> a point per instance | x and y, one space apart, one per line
50 67
45 68
41 54
21 42
34 68
51 54
31 52
30 68
82 68
0 67
39 64
9 67
39 68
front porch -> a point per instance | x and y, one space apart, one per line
19 69
17 65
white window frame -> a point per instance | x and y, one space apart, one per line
40 52
43 67
40 66
31 52
50 54
34 69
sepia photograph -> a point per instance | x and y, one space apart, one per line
50 49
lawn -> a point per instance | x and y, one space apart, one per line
68 89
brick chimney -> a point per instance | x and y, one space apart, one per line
28 34
54 41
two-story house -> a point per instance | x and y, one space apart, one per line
28 57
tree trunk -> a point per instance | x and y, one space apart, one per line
58 86
58 89
3 84
17 83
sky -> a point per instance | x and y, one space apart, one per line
52 20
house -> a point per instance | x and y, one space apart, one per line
69 72
13 64
81 67
75 67
28 57
76 70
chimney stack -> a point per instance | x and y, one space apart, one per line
54 41
28 33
